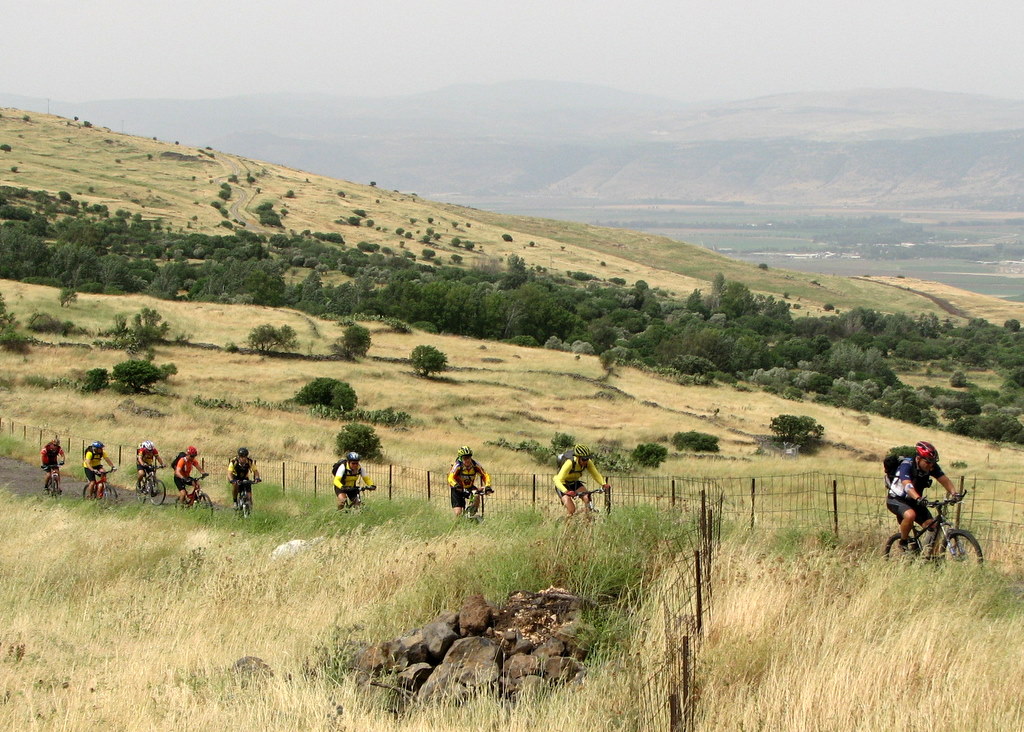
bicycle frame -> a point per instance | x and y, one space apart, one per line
53 474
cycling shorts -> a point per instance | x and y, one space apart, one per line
91 475
899 506
459 496
571 485
182 484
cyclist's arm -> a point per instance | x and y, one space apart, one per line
946 483
366 478
592 469
484 476
453 476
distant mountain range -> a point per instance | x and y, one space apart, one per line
871 148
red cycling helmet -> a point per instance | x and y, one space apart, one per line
927 451
191 451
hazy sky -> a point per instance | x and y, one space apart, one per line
711 49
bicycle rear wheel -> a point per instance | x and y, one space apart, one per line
961 547
157 492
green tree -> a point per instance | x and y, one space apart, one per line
361 438
136 375
427 360
797 430
354 342
67 296
266 337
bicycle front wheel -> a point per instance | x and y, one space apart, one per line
52 486
204 503
110 492
157 492
961 546
245 505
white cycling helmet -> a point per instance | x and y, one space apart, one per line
147 445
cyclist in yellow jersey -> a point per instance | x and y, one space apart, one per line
463 476
94 457
567 481
347 476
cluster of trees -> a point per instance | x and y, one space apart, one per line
724 333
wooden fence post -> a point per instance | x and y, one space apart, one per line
282 477
391 476
533 499
314 481
428 486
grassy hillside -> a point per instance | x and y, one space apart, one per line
177 185
493 391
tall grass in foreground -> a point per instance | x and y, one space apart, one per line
822 640
131 617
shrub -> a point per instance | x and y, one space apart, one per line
327 392
427 360
796 430
45 323
649 454
361 438
695 441
95 380
506 237
136 375
12 342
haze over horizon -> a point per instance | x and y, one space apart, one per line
694 52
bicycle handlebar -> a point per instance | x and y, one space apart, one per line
955 498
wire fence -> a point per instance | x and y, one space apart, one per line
680 606
845 505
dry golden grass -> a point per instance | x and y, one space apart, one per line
814 643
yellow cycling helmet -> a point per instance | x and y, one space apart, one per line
581 451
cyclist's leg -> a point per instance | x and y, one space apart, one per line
458 501
905 515
234 493
341 496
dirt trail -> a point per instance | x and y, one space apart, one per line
26 479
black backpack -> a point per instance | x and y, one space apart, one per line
334 468
177 459
890 464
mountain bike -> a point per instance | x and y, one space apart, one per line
244 505
586 497
475 503
197 498
942 541
355 502
150 488
52 486
103 488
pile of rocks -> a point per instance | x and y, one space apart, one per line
532 641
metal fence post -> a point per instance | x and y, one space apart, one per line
835 509
753 482
282 477
428 486
533 498
314 481
391 475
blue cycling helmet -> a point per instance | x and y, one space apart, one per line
97 445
